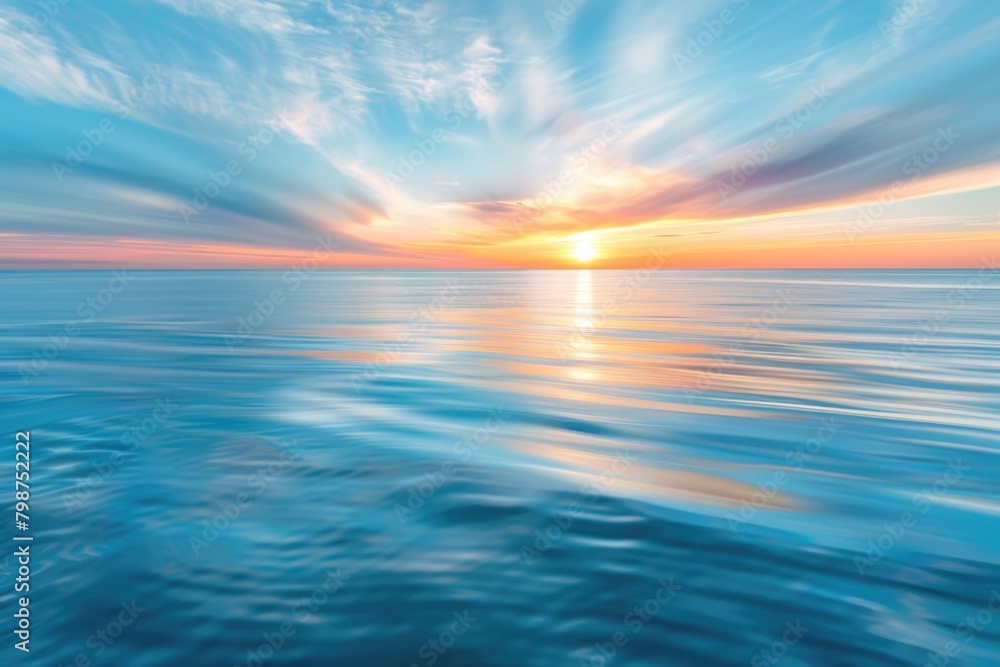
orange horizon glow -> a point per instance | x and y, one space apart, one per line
832 239
923 251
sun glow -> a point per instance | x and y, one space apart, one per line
584 251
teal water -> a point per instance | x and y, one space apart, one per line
524 468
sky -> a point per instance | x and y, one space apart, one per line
540 133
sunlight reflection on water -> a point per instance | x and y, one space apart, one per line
750 434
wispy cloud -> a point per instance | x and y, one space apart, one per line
493 110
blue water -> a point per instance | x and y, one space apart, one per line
506 468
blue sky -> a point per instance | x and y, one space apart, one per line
240 132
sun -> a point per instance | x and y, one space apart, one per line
584 251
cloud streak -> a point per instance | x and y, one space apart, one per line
783 120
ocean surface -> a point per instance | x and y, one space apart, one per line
505 469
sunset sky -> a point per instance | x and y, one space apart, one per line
598 133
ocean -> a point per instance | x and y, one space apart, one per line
505 468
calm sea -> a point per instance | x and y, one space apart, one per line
493 469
